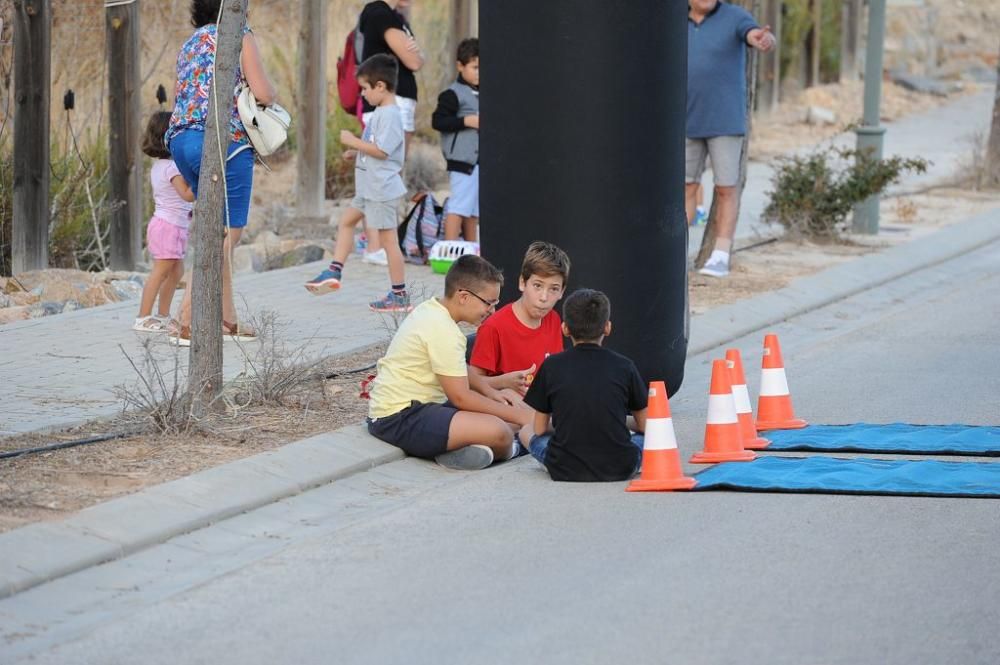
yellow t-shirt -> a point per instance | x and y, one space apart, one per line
427 343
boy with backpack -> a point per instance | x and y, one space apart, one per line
457 118
511 344
421 399
586 391
379 188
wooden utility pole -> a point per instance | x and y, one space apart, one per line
124 160
311 127
205 363
850 39
32 74
711 229
769 71
993 144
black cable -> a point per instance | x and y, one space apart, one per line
350 371
65 444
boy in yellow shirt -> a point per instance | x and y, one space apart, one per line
422 401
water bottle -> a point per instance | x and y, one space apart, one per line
361 243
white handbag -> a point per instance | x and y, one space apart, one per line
267 126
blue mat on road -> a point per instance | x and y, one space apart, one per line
892 438
831 475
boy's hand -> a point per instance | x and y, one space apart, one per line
511 398
472 121
348 139
519 380
350 155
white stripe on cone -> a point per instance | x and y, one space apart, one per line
721 409
660 434
742 398
773 383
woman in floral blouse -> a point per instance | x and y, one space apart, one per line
186 134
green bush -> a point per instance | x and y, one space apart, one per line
814 194
80 215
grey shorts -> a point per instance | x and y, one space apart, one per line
725 153
378 214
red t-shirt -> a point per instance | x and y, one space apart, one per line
504 344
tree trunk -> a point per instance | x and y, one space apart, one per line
993 146
205 375
708 239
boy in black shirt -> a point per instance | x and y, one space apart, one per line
586 391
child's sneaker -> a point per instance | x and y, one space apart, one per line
392 302
325 282
700 217
470 458
379 258
715 267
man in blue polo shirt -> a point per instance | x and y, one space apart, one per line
718 34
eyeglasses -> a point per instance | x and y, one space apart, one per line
489 303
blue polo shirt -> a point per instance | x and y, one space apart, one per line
717 87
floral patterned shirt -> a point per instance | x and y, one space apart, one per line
194 80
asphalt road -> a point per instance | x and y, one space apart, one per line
411 564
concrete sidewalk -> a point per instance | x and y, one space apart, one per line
943 135
49 550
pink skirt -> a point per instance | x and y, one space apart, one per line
165 240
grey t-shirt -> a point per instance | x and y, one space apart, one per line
717 88
379 179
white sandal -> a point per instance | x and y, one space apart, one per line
149 324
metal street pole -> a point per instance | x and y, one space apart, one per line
870 132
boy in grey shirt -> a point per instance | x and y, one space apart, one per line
378 185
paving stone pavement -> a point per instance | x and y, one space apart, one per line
60 370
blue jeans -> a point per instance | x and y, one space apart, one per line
539 446
186 149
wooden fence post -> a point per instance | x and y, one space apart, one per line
124 158
32 76
311 124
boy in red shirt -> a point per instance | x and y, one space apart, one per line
512 343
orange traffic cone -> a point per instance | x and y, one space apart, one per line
744 413
723 442
661 463
774 405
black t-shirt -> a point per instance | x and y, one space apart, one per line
589 390
376 18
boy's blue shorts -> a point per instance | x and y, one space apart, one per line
539 446
420 429
186 149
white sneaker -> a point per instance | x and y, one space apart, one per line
376 258
715 268
470 458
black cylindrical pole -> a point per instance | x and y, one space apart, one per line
582 144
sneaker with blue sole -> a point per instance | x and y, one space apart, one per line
325 282
392 302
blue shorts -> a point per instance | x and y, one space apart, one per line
420 429
186 149
464 199
539 446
